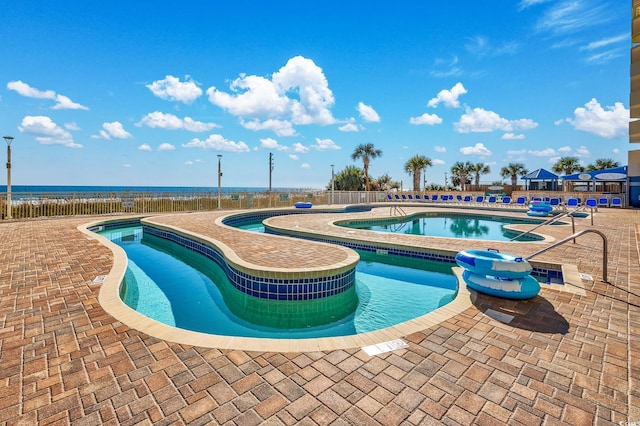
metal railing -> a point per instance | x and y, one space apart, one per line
573 237
555 219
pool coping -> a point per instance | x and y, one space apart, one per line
109 299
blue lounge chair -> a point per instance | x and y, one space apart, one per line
591 202
521 201
603 202
616 202
506 201
404 197
554 201
573 202
418 197
466 199
397 197
410 197
434 197
389 197
492 199
479 199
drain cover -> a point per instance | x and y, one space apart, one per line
389 346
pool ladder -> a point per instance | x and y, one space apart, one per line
554 219
573 237
397 211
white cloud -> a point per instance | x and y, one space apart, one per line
280 127
166 147
448 97
218 143
582 152
351 126
439 148
425 118
63 102
437 162
298 93
161 120
298 147
113 130
71 126
606 42
46 131
570 16
512 136
516 153
172 89
188 163
294 157
609 123
305 166
478 149
481 120
325 144
616 151
127 166
145 147
368 113
564 149
270 143
543 153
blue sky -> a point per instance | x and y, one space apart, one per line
150 92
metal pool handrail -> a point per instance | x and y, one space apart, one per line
572 237
550 221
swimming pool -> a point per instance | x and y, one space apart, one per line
448 225
176 286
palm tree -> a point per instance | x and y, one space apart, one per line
350 179
567 165
461 171
480 169
513 170
367 152
602 164
414 166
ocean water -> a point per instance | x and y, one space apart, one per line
48 189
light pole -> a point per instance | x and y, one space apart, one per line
333 181
219 179
9 139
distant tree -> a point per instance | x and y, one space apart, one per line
479 169
514 170
349 179
602 163
460 174
366 152
415 166
385 183
567 165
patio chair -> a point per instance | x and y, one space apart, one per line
466 199
521 201
591 202
554 201
573 202
492 199
410 197
397 197
434 197
603 202
404 197
616 202
479 199
418 197
389 198
506 201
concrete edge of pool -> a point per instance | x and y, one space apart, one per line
109 299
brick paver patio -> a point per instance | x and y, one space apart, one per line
565 358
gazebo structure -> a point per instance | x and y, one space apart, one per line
607 180
541 179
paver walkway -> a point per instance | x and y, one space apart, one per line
565 358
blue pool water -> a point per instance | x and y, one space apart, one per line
181 288
483 227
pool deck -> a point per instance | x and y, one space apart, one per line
569 356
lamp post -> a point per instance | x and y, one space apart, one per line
333 186
219 179
9 139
